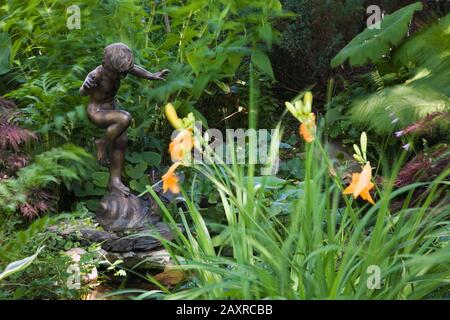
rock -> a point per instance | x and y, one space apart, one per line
117 212
98 236
116 242
136 248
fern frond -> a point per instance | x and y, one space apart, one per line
426 91
59 165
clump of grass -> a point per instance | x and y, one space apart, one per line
330 247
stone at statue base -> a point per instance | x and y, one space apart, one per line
118 212
130 229
139 249
122 242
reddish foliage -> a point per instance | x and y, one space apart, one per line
12 135
426 125
423 167
16 161
410 171
6 104
6 108
38 202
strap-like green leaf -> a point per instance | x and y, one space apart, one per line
17 266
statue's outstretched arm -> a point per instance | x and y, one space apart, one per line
142 73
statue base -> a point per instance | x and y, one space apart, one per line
140 250
117 212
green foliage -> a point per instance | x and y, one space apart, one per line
20 239
420 87
5 49
59 165
374 43
409 81
290 236
325 247
45 101
50 273
46 279
200 41
319 244
136 174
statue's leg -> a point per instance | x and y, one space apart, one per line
102 154
116 123
117 157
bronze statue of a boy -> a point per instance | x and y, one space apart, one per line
101 85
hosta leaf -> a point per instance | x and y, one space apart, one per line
90 189
195 61
372 44
17 266
265 33
134 184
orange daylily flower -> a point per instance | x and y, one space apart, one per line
308 128
361 184
182 144
170 180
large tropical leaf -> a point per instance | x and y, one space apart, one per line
427 89
372 44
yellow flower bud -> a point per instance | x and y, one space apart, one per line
307 102
291 108
171 115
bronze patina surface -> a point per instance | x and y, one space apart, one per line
120 209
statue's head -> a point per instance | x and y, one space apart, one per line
118 57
